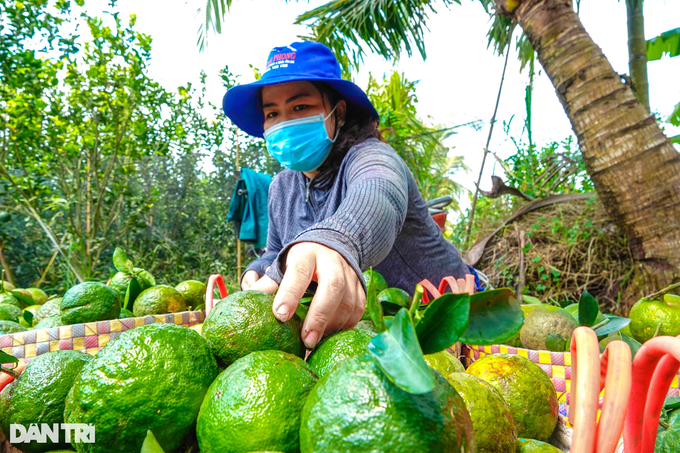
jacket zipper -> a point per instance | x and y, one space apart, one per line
307 194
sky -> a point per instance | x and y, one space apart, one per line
458 82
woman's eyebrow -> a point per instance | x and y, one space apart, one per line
288 101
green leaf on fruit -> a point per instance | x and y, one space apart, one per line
531 300
443 322
495 316
121 261
398 354
555 342
26 300
587 309
150 444
668 433
131 294
301 311
615 323
672 402
6 358
374 308
28 317
632 342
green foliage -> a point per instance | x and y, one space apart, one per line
555 168
587 309
385 27
214 12
421 146
150 444
552 169
96 154
674 117
443 322
667 43
495 316
397 352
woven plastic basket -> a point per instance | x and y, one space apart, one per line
88 337
556 364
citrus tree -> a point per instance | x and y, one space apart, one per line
94 153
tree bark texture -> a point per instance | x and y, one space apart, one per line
637 50
634 167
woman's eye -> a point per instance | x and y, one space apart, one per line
271 114
297 108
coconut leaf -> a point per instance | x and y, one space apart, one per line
495 316
398 354
587 309
121 261
667 43
674 119
384 27
443 322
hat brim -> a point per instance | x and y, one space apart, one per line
241 103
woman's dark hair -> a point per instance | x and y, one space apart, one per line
359 125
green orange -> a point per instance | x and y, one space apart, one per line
255 405
526 388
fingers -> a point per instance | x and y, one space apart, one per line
299 272
266 285
359 308
347 305
249 279
328 303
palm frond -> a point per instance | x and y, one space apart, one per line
214 12
500 33
386 27
674 117
666 43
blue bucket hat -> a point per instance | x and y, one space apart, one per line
306 60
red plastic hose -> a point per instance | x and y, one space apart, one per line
641 425
215 278
616 365
585 363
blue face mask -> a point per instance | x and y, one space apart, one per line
301 144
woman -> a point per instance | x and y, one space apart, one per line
346 202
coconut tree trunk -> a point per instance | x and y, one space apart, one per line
634 167
637 51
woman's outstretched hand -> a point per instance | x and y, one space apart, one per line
339 301
251 280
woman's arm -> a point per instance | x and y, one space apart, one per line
367 222
334 251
